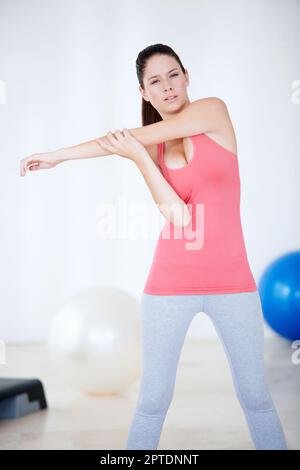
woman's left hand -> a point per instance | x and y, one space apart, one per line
123 144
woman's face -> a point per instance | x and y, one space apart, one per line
163 77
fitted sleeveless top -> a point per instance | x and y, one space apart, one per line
209 254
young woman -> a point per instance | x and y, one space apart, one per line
187 154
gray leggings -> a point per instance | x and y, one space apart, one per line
238 320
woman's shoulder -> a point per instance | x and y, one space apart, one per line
211 100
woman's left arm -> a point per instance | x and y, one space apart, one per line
202 115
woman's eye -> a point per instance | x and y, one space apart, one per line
173 75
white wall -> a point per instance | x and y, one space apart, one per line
69 70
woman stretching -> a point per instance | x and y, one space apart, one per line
186 152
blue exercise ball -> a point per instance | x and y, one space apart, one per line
279 289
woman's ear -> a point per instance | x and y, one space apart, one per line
143 93
187 78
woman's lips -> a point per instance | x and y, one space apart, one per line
171 99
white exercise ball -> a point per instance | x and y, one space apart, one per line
94 340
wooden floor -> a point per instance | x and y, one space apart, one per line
204 413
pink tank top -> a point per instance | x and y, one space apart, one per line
209 255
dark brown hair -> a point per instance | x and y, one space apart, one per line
149 113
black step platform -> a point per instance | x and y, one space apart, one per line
19 397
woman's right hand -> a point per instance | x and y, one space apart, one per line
38 161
